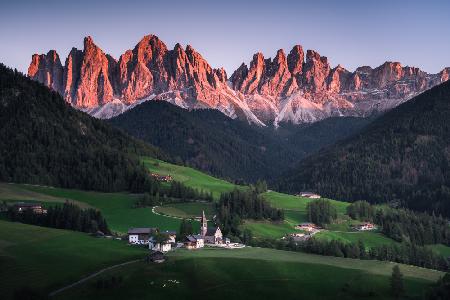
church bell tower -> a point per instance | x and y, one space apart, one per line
204 227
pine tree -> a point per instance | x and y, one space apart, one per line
397 287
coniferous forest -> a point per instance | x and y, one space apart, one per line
68 216
403 158
43 140
208 140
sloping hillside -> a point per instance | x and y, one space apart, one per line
212 142
44 140
403 156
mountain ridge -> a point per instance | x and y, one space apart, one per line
296 88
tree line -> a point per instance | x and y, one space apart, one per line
177 192
321 212
237 205
405 253
404 225
66 216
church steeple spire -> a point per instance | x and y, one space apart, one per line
204 225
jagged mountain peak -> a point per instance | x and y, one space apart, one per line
298 87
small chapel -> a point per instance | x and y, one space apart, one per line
211 235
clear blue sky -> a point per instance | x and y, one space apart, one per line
226 33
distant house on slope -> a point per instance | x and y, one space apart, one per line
163 178
365 227
140 236
309 195
36 208
310 227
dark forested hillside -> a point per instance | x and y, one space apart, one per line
403 156
43 140
232 149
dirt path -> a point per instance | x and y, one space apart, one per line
164 215
91 276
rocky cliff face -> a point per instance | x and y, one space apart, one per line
295 88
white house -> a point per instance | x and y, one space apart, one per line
365 227
157 246
140 236
194 242
309 195
172 235
310 227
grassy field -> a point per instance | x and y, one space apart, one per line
254 273
117 208
187 210
295 212
370 239
46 258
190 177
16 192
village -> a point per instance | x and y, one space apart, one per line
160 242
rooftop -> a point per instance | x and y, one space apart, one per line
141 230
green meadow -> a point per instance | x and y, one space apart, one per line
254 273
190 177
117 208
47 258
187 210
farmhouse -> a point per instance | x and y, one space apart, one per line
365 227
164 178
162 246
212 235
310 227
33 207
194 242
308 195
140 236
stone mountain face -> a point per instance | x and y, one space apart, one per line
297 88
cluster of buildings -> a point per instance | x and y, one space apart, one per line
308 227
164 241
164 178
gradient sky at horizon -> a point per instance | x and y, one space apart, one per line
227 33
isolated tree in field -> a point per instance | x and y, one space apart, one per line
397 287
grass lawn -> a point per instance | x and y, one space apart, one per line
17 192
295 212
187 210
190 177
47 258
265 229
370 239
117 208
254 273
291 202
